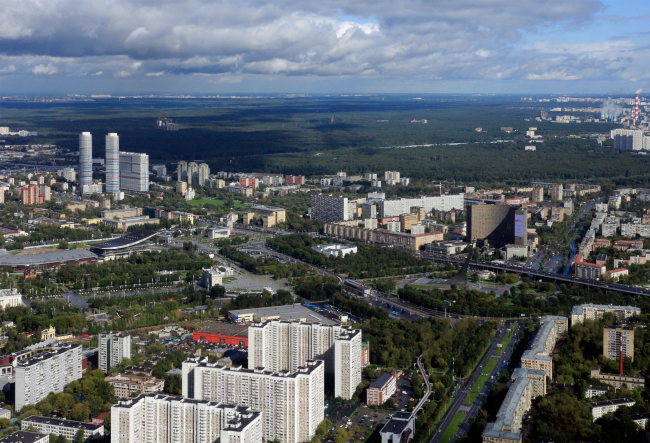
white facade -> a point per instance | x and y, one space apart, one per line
48 371
591 311
113 347
85 159
10 298
278 345
630 139
112 163
162 419
394 208
134 171
67 428
336 250
601 408
291 403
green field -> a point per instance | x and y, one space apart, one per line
453 427
478 385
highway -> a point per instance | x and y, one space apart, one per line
463 387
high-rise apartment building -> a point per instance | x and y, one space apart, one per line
392 175
192 173
46 192
368 210
68 174
278 345
85 159
557 192
329 208
113 347
181 171
134 171
295 180
291 403
203 174
2 194
590 311
398 206
45 372
630 139
538 194
617 339
112 163
157 418
29 195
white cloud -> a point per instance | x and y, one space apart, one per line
122 74
45 69
155 74
98 73
7 69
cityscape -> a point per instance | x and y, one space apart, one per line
324 222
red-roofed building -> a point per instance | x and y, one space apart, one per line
588 271
223 333
615 274
625 245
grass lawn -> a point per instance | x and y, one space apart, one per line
505 341
453 427
478 385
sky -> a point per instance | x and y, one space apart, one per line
324 46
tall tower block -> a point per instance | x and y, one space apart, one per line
112 163
85 160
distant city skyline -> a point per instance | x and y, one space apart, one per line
497 46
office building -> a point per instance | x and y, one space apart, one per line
112 163
618 380
291 403
618 340
335 250
538 355
381 389
269 215
329 208
26 437
590 311
157 418
192 173
116 214
45 372
499 225
398 206
538 194
181 171
113 347
85 159
67 428
284 346
126 385
134 171
203 173
527 385
600 408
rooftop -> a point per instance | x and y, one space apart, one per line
286 312
126 240
23 437
222 328
66 423
577 309
615 402
46 258
382 380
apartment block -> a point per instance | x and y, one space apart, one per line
157 418
67 428
278 345
591 311
45 372
368 211
295 179
134 171
538 355
30 195
329 208
396 207
408 220
588 271
113 347
527 385
291 403
617 339
557 193
538 194
126 385
600 408
402 240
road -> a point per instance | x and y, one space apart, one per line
427 383
463 387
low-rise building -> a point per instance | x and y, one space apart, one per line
335 250
400 428
26 437
595 391
126 385
617 380
590 311
67 428
616 274
125 223
269 215
600 408
381 389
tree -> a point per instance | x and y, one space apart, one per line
218 291
80 436
63 245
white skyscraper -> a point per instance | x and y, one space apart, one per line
112 163
278 345
85 159
113 347
134 171
291 403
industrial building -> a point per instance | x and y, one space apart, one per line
291 403
223 333
295 312
164 419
